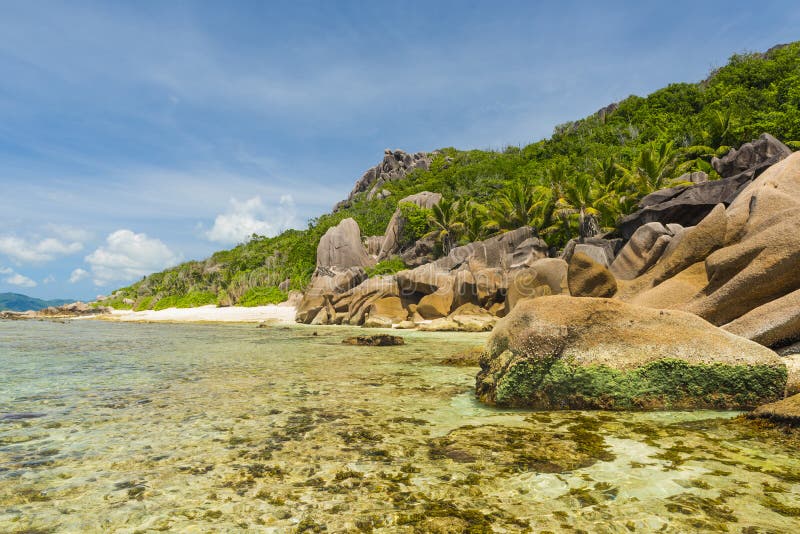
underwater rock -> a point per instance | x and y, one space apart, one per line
377 340
558 352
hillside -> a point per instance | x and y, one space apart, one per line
18 302
590 172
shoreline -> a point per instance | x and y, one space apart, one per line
272 313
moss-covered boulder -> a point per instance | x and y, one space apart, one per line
560 352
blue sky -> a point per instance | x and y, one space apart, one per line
136 135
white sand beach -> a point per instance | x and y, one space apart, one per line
210 313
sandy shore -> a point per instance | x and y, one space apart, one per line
207 314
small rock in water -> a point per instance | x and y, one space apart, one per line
378 340
22 415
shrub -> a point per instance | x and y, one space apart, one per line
390 266
261 296
415 223
192 299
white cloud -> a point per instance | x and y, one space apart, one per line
49 279
77 275
5 270
69 233
127 256
34 251
252 217
20 280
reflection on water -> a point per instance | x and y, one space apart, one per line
136 428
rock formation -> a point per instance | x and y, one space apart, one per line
396 165
689 205
391 239
559 352
341 247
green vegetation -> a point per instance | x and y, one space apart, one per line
578 182
662 384
390 266
190 300
261 296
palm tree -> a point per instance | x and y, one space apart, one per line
653 167
447 223
474 217
513 206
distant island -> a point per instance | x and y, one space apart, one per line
18 302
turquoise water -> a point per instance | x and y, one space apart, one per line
108 427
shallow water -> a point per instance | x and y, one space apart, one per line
110 427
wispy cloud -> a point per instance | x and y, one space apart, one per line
39 251
77 275
20 280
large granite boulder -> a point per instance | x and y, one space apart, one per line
684 250
547 276
687 206
587 278
772 324
423 251
764 151
482 258
317 305
391 238
396 165
341 247
526 253
356 302
645 247
385 312
783 411
600 249
472 318
761 254
496 251
560 352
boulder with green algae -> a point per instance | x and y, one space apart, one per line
560 352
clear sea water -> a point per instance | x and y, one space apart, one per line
108 427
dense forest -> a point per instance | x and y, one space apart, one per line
594 169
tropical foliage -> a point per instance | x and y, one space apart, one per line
578 182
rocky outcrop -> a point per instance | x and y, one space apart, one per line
561 352
642 251
759 260
763 152
325 288
378 340
472 318
391 238
772 324
396 165
527 253
782 411
600 249
385 312
66 311
587 278
684 250
689 205
341 247
422 252
544 277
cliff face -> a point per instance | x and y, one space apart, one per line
396 165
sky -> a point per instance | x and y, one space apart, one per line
136 135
